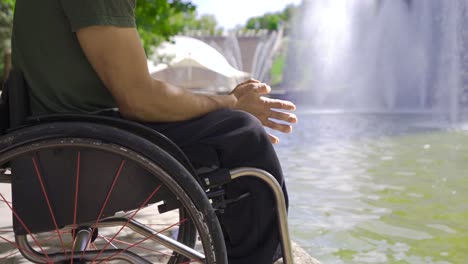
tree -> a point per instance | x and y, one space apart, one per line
272 21
158 20
191 21
6 22
206 23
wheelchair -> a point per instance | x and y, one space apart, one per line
99 189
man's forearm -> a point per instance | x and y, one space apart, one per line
117 56
162 102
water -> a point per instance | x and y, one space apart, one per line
384 179
381 54
262 54
377 188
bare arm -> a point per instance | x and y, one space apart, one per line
117 56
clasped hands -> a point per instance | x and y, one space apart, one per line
270 112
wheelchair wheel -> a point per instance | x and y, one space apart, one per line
87 193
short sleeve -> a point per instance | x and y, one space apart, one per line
85 13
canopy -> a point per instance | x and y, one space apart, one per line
190 52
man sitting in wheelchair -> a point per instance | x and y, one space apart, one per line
86 57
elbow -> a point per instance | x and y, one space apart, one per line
133 102
130 113
135 109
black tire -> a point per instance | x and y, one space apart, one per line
39 140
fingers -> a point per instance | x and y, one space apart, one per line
251 86
280 104
273 139
259 87
288 117
277 126
248 81
263 88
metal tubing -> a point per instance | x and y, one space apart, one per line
155 236
81 239
280 203
83 235
113 254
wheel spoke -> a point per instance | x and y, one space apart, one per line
39 176
6 257
51 238
143 235
136 244
25 227
122 163
129 219
108 241
6 202
75 210
23 249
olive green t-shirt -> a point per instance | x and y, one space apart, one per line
45 48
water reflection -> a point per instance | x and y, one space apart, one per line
377 188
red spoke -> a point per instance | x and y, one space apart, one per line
38 173
25 227
23 249
94 246
155 225
140 247
51 238
12 254
78 160
128 221
7 202
105 202
136 244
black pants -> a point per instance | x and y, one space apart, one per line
232 139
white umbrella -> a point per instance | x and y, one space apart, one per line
190 52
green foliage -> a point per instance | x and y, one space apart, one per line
267 21
205 23
272 21
277 69
6 22
158 20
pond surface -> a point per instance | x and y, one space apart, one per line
377 188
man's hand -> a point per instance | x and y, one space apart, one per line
267 110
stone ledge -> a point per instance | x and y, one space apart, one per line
300 256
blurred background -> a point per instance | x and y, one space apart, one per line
377 166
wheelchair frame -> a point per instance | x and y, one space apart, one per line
18 96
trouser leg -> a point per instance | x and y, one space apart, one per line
232 139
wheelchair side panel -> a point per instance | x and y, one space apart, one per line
55 175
